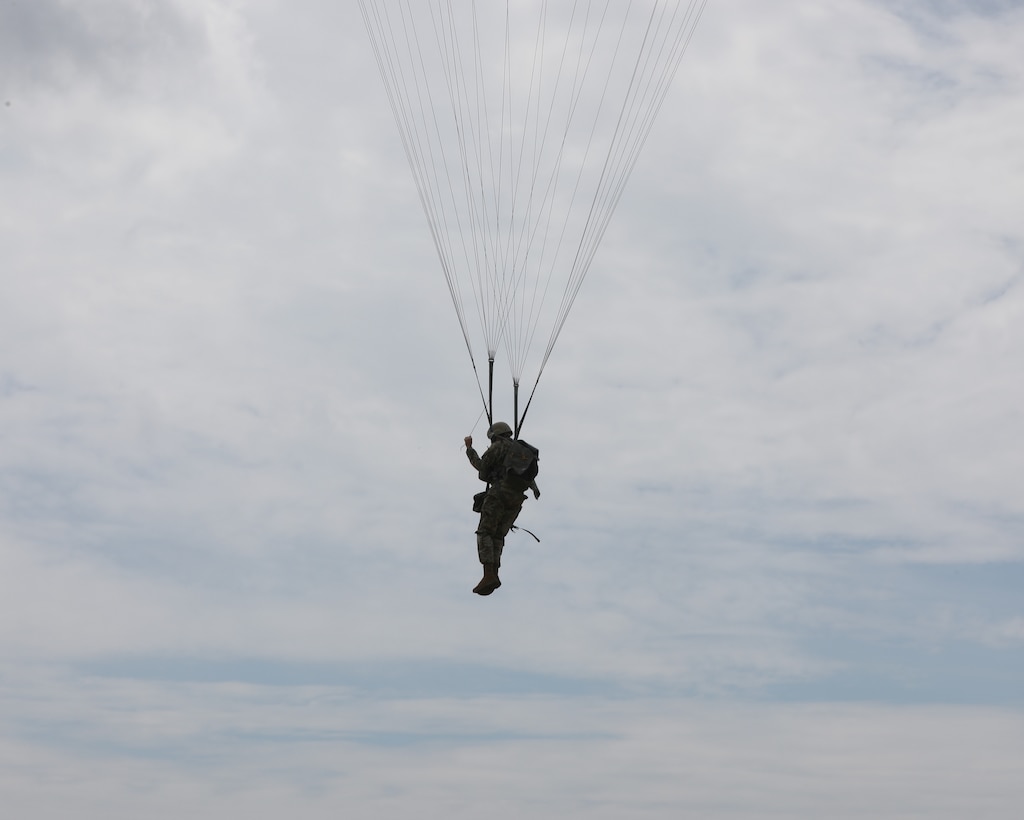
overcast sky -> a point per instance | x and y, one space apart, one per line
782 521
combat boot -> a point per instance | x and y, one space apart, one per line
489 582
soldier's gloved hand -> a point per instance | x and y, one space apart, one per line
469 441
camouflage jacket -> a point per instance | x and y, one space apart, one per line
490 468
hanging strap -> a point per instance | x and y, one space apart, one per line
516 529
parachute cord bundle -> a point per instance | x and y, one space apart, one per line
521 126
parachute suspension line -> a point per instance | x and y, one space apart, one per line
486 235
452 68
450 64
468 141
496 158
582 68
436 213
519 181
538 216
537 224
395 83
600 209
470 115
510 268
621 161
575 97
533 213
648 102
531 325
583 258
469 120
513 266
507 273
477 155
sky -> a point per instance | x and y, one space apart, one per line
781 523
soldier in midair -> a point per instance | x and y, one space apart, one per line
507 483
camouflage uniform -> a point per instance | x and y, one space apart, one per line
504 500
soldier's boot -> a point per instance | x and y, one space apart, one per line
489 582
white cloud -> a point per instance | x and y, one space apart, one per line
208 749
780 435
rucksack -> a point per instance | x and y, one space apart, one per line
521 460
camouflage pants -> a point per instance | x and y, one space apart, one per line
499 513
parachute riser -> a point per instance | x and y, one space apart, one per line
515 406
490 392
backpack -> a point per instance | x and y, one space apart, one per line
521 461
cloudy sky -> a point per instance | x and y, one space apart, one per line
782 521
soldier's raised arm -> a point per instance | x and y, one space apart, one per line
471 454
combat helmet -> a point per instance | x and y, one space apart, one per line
499 429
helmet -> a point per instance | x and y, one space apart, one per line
499 429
